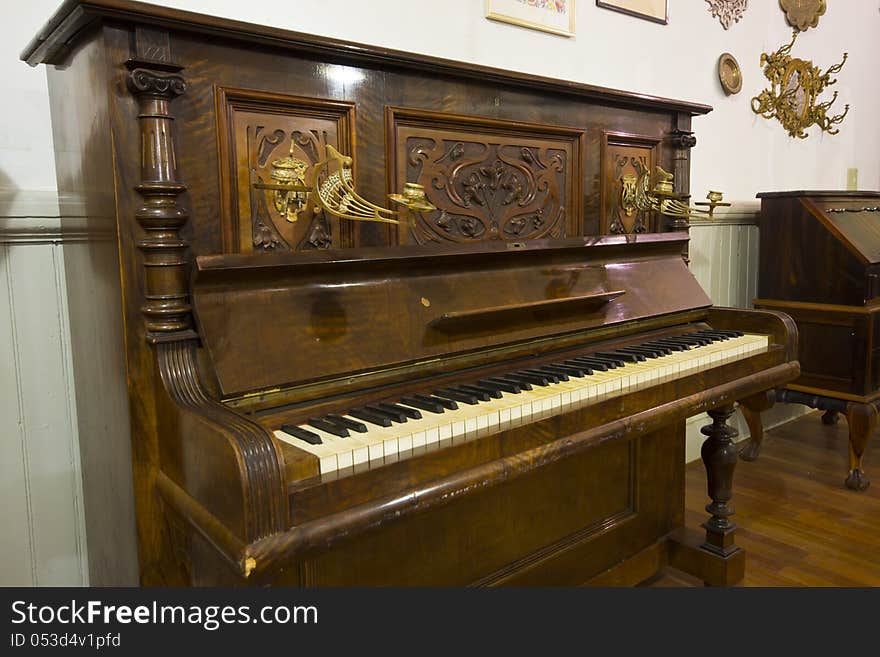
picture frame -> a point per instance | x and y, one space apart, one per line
652 10
554 16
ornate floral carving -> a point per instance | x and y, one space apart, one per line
319 236
728 11
486 190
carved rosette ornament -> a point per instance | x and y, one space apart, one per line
728 11
166 307
802 14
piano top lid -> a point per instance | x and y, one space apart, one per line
276 321
852 216
68 26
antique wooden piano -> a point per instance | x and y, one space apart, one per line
494 392
820 263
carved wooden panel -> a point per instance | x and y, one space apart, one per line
254 129
624 158
490 179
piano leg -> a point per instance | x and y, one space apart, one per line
751 408
862 420
714 558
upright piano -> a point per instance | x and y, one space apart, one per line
494 392
820 263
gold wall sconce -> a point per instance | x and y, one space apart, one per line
329 185
639 194
795 86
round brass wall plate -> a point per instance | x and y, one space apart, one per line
730 74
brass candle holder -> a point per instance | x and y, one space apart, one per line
661 197
294 188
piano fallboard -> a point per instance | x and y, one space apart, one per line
341 315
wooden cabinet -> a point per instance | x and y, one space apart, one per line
820 263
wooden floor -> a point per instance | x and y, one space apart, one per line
799 525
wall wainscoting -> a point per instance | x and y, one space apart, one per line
57 335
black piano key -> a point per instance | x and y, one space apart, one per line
303 434
503 386
587 369
675 346
397 413
602 366
698 339
662 348
448 404
424 404
572 370
688 344
724 333
492 391
496 389
464 397
647 352
411 413
616 355
610 362
552 378
369 416
481 395
560 370
562 375
522 385
329 427
348 423
715 335
534 379
395 416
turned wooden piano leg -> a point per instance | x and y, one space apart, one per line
751 408
862 420
713 556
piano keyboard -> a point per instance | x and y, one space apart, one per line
386 432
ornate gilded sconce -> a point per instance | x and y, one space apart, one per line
329 185
639 194
792 98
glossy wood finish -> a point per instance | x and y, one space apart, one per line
830 542
820 263
275 337
327 306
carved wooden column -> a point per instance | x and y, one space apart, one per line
682 140
719 456
167 307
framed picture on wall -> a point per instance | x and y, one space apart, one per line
652 10
556 16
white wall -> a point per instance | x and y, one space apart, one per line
737 151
